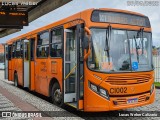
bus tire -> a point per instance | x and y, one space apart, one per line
16 80
56 95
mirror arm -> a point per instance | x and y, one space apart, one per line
88 53
89 49
87 30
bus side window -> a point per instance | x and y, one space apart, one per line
6 52
43 45
13 50
18 49
21 50
56 43
9 52
32 50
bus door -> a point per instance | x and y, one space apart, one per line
6 61
73 68
26 70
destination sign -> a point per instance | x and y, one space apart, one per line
13 19
120 18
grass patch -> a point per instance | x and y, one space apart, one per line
157 84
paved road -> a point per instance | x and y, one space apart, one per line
16 99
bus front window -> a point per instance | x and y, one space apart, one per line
124 51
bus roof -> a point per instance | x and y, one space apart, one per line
70 18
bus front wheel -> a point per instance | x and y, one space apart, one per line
57 95
15 79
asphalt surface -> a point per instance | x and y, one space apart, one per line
18 99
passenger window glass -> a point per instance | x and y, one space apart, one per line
18 49
13 50
9 52
56 43
43 45
32 48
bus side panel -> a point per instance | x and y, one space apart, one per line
19 68
13 68
41 79
55 70
45 71
32 76
98 103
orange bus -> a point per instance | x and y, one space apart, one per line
95 60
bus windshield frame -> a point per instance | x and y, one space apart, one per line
131 55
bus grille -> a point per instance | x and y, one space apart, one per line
123 101
128 79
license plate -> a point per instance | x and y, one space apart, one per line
132 100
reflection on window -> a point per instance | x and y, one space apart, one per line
43 39
9 52
18 49
42 51
32 49
125 49
56 43
13 50
43 45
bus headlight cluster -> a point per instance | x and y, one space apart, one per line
152 88
101 91
94 87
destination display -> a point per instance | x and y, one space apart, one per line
13 19
119 18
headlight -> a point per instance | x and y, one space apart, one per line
152 88
94 87
102 92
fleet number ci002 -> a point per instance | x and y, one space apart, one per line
118 90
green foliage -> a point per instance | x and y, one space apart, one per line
157 84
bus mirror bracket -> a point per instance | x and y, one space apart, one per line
87 42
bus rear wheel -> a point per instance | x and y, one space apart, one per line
16 80
56 95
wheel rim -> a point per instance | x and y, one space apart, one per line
57 96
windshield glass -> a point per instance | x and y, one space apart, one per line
127 51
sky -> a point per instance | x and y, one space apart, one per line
78 5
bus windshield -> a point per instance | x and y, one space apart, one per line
127 51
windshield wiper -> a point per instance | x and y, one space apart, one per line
140 35
129 50
142 40
108 38
136 48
